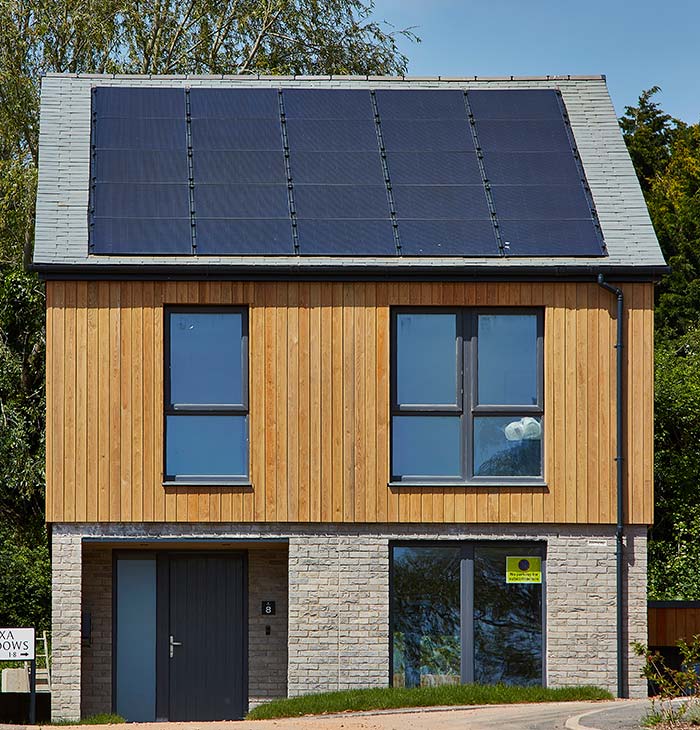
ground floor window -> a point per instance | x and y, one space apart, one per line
467 612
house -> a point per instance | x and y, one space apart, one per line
332 387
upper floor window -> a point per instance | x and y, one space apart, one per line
466 395
206 395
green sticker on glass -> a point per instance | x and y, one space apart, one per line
523 569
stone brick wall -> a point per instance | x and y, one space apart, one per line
65 624
338 602
635 606
97 654
338 612
339 605
267 653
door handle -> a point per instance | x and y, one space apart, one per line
173 644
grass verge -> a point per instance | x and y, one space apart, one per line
102 719
386 698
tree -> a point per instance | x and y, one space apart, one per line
120 36
674 548
674 204
666 154
649 134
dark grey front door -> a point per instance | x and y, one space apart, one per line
206 637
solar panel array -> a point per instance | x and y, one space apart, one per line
337 172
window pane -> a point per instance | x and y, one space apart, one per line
207 446
136 640
507 446
426 616
426 446
426 358
205 357
507 349
507 616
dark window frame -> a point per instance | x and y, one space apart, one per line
468 408
200 409
538 546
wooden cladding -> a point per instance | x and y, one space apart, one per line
319 405
669 624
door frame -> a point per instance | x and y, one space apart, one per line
162 677
466 595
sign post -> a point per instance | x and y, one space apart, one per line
19 645
32 693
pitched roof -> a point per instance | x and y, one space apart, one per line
62 230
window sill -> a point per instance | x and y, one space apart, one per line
207 483
530 484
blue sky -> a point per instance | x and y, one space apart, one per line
635 43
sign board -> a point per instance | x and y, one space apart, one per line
268 608
523 569
17 644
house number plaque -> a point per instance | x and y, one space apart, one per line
268 608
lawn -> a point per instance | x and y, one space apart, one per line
392 698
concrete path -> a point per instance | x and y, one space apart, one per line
613 715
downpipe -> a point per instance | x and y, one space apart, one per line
619 460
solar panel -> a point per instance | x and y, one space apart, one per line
441 207
540 202
340 237
536 185
142 200
236 134
448 238
228 167
240 236
341 200
419 167
416 104
120 133
142 236
449 135
267 163
138 102
351 104
322 135
523 136
532 168
356 167
551 237
515 104
441 201
139 195
234 104
241 201
139 166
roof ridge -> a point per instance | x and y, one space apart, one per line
331 77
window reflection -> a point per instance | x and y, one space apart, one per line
507 446
206 445
507 359
507 623
432 614
426 616
205 357
426 445
426 358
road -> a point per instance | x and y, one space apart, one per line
614 715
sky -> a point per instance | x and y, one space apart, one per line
635 43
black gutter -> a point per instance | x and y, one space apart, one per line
368 272
619 459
